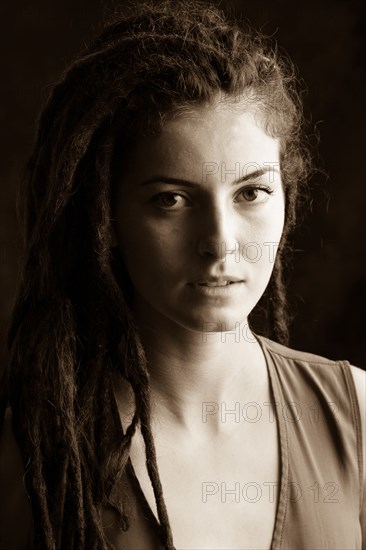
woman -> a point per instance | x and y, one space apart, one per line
161 193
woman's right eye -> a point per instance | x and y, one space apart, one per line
170 201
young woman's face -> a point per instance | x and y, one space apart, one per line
198 217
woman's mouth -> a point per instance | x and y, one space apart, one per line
222 280
216 283
218 287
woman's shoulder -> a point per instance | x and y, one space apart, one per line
353 377
359 379
15 509
353 373
293 354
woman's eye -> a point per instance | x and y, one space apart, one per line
255 194
170 201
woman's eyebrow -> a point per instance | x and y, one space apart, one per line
177 181
258 173
169 180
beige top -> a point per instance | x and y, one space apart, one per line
320 498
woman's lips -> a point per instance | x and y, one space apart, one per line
216 283
217 288
222 280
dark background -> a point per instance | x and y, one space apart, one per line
325 40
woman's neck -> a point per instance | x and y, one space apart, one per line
194 376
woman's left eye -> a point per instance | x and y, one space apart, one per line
254 193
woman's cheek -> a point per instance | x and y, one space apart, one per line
149 248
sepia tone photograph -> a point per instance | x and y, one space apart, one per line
182 275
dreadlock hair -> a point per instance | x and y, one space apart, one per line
72 327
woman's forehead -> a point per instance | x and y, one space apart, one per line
218 135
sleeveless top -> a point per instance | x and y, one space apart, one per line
320 441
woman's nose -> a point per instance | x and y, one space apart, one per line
218 233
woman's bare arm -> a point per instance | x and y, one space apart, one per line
359 377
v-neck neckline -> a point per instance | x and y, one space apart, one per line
283 450
276 392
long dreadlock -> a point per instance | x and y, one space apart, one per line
72 327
